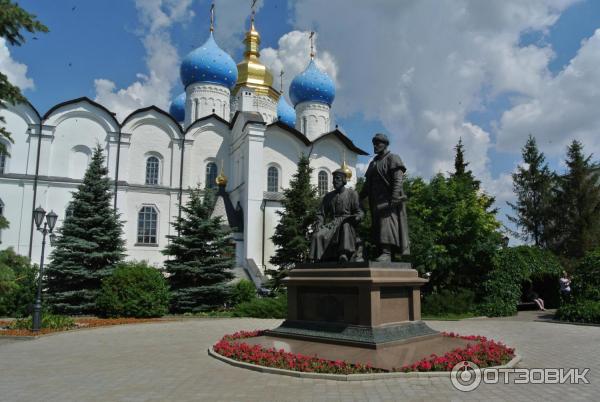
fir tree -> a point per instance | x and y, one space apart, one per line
532 184
576 206
202 257
460 166
292 233
88 246
13 19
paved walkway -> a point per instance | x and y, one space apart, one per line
168 362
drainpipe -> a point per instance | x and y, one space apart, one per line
117 169
264 213
35 183
181 178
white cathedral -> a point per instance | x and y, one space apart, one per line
231 128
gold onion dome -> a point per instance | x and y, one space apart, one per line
251 72
346 170
221 179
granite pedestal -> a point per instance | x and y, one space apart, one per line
367 305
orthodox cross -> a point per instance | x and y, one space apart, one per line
253 8
312 49
281 80
212 17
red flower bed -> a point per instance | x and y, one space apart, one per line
258 355
483 352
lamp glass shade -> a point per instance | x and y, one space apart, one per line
52 238
38 216
51 219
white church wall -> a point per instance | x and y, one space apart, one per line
271 220
282 150
161 201
72 144
18 121
150 137
16 197
328 153
77 124
210 144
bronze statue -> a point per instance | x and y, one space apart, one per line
335 238
383 188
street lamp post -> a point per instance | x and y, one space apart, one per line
51 217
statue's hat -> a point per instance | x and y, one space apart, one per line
382 138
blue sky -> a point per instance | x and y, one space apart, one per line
425 72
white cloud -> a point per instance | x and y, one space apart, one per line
162 60
293 54
421 67
565 107
231 22
15 72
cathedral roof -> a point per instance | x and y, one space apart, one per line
177 108
312 85
209 63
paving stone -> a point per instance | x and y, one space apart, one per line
168 362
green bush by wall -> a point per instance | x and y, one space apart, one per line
243 291
264 307
502 289
134 289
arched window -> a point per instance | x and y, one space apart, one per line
273 179
323 183
147 224
3 158
304 125
211 175
152 170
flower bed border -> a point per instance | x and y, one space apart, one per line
349 377
43 333
425 367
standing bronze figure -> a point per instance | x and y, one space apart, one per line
335 236
383 188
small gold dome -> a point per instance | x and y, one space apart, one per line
221 179
346 170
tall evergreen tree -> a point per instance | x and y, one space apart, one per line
460 166
299 214
203 257
88 246
13 19
576 206
532 184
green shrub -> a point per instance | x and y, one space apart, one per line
502 289
52 321
263 307
586 279
587 311
449 302
17 284
134 289
243 291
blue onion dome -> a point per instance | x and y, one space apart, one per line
285 113
177 109
312 85
209 63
